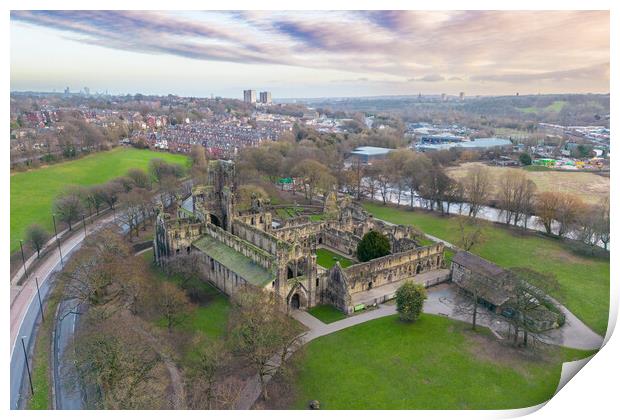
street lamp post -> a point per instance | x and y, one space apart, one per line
84 224
21 247
36 279
27 365
57 241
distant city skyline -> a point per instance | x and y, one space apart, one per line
311 54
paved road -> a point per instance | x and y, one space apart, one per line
25 313
68 391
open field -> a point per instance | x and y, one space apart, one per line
435 363
589 186
584 281
327 259
33 192
556 106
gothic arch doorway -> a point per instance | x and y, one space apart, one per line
298 299
295 302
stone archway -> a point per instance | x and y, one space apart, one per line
298 299
295 303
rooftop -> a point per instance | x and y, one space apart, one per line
235 261
371 151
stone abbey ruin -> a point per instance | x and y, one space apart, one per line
255 247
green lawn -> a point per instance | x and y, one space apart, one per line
584 281
327 259
326 313
33 192
317 217
435 363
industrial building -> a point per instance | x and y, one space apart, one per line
477 144
367 154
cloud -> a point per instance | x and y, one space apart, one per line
428 78
590 72
487 46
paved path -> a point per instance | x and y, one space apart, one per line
67 388
50 245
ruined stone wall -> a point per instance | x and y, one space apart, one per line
259 256
345 242
335 289
294 221
260 221
175 236
393 267
223 278
255 235
298 233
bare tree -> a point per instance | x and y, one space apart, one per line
603 225
207 369
569 209
546 208
467 300
172 304
118 363
515 196
139 177
470 233
477 186
69 208
261 332
533 311
36 236
414 170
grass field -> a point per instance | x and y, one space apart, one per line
327 259
435 363
584 281
326 313
33 192
589 186
556 106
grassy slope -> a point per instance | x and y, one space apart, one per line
432 364
325 258
41 367
33 192
584 281
326 313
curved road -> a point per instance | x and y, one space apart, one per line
25 312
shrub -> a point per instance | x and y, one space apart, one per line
410 299
373 245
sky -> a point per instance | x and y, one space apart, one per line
301 54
